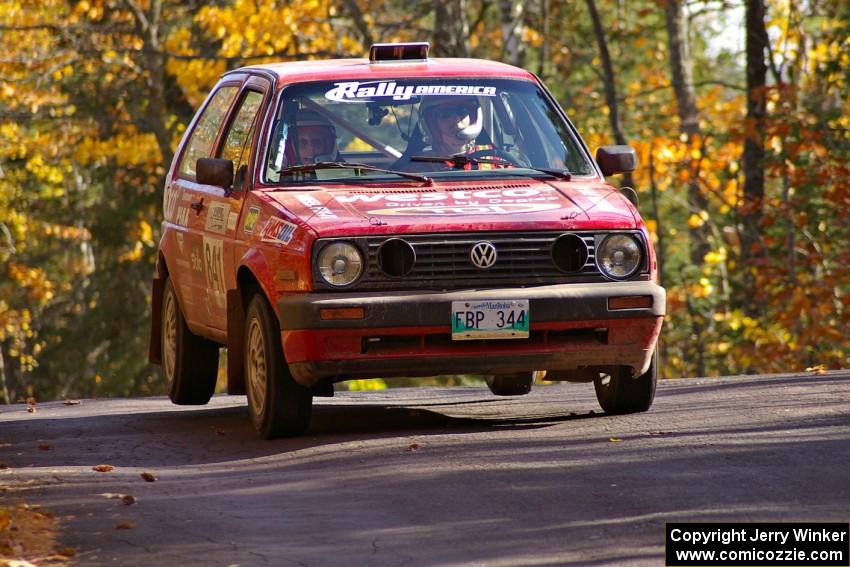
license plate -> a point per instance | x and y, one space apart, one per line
490 319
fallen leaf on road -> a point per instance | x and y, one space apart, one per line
126 499
102 468
148 477
819 369
30 409
71 402
45 447
125 526
614 440
66 552
413 447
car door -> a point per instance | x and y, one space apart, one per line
223 207
186 205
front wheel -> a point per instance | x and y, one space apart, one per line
189 362
279 406
620 393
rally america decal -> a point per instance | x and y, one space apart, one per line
277 230
496 201
355 91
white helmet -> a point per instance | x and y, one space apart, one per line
315 129
433 108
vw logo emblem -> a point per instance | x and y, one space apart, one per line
483 255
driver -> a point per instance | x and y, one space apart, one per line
451 125
315 138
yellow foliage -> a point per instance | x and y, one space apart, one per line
695 220
366 384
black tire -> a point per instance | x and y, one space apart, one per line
189 362
279 406
619 393
518 384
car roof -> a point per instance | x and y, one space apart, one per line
341 69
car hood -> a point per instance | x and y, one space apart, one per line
505 205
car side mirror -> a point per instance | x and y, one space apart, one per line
216 172
616 159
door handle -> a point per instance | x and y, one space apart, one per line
197 206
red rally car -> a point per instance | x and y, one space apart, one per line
398 216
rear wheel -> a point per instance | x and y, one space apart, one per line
189 362
517 384
278 405
620 393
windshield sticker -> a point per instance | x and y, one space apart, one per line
217 218
356 91
469 209
251 219
277 230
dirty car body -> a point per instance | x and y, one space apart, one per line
391 253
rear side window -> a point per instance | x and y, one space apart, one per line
203 137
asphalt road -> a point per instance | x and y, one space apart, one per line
433 476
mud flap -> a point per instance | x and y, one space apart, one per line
235 339
155 346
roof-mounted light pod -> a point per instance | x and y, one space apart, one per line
393 52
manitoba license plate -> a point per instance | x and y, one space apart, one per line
491 319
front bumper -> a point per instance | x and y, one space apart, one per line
409 333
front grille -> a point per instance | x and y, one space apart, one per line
446 257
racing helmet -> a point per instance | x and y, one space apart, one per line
434 108
314 137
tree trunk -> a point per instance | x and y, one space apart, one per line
513 49
609 82
360 23
543 64
451 29
6 397
683 87
751 209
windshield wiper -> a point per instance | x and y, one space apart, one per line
460 160
309 167
559 173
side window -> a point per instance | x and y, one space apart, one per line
237 143
203 137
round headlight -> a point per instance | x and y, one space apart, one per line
340 263
619 256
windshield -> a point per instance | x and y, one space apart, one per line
446 127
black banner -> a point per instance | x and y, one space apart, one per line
766 544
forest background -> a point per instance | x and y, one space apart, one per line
739 111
